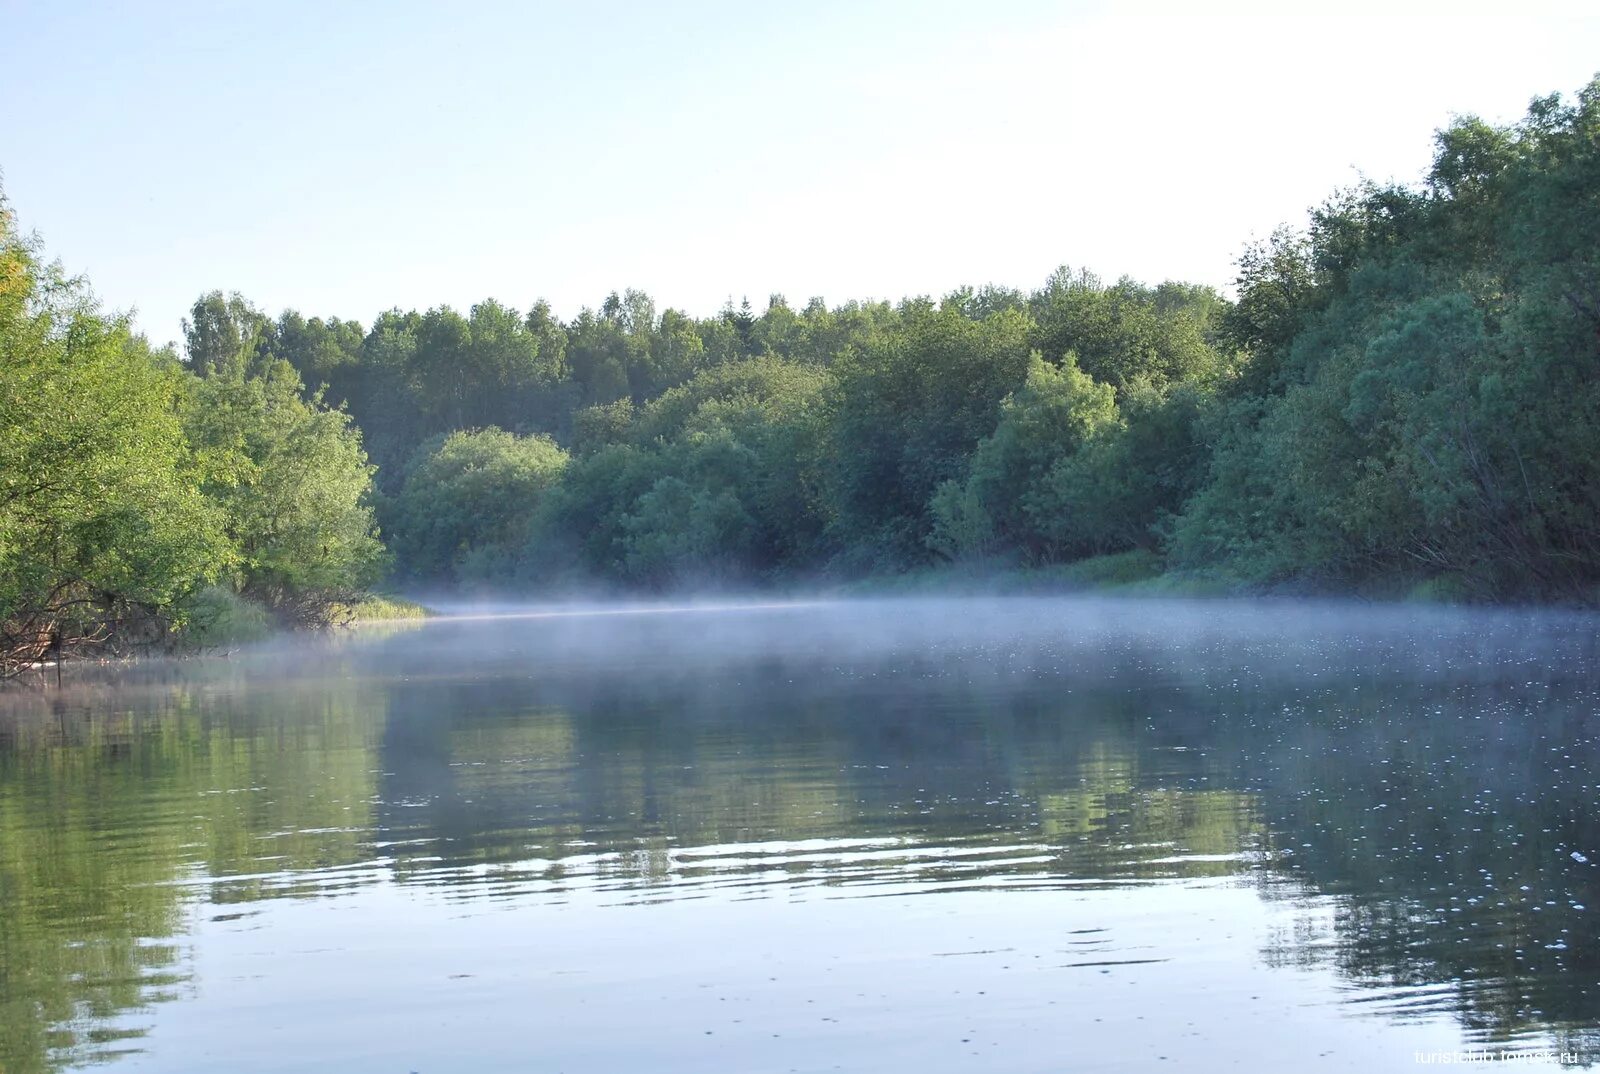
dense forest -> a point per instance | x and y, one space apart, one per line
1401 397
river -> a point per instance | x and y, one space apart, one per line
932 835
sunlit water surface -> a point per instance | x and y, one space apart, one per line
984 835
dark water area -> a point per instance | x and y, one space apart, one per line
965 835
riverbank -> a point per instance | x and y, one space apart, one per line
1138 573
221 622
223 619
1145 573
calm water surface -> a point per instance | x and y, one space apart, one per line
981 835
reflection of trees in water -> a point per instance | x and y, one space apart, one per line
650 779
1421 793
80 909
110 800
1445 820
1419 790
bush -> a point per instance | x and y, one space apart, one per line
219 618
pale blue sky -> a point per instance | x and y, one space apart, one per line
343 158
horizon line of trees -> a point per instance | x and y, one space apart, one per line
1405 390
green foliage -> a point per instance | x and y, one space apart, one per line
292 484
1055 413
963 527
219 618
595 426
1125 483
676 531
325 353
715 483
904 414
1432 404
103 528
1125 333
1276 286
224 333
578 531
464 512
768 387
128 485
379 609
1114 571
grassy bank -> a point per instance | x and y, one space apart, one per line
222 619
1145 573
1124 572
374 608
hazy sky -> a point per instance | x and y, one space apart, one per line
343 158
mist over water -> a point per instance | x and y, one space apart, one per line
974 834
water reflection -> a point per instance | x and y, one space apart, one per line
1410 794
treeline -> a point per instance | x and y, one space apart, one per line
1402 394
648 449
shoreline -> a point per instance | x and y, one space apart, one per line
929 585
